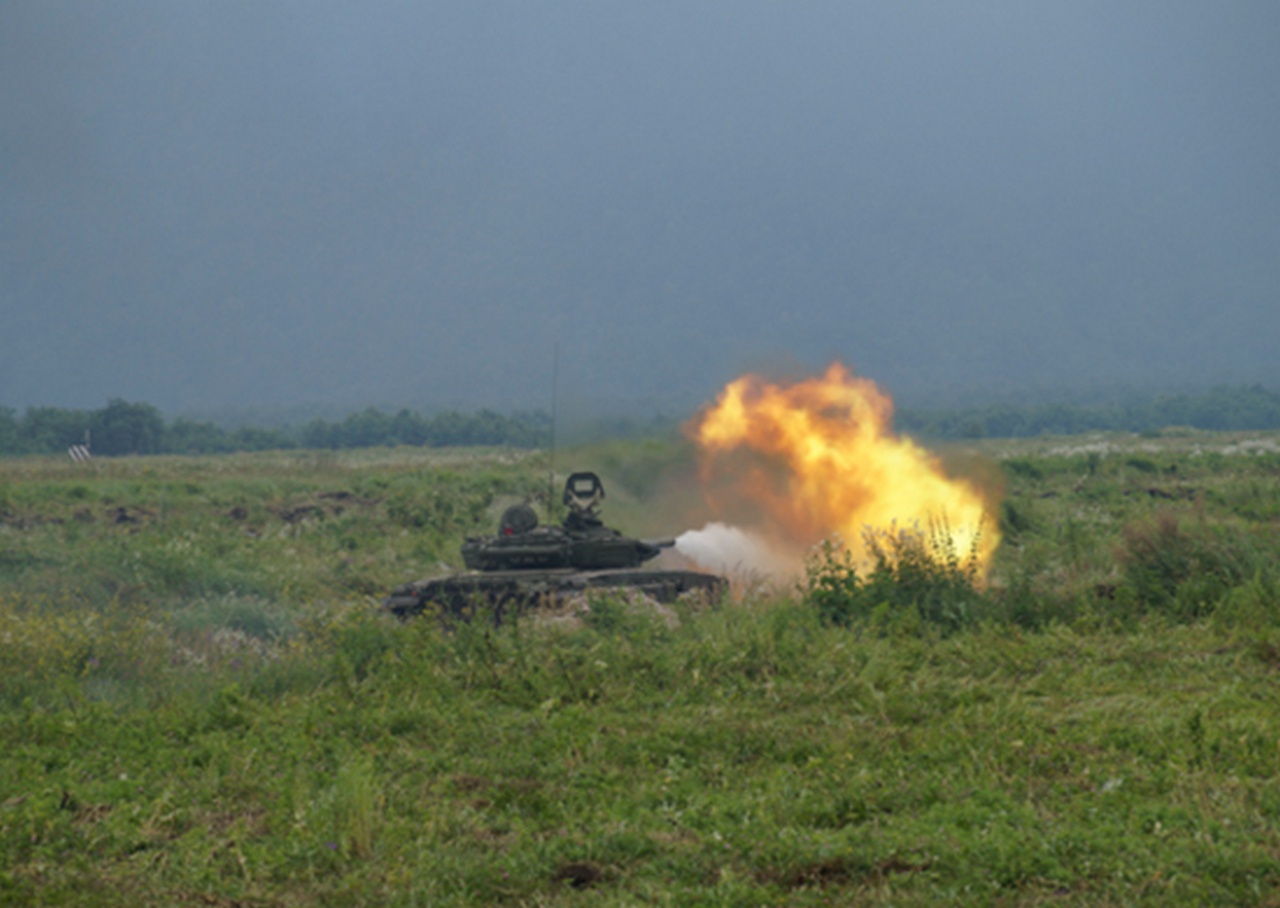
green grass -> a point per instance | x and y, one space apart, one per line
199 704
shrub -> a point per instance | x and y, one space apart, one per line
1178 572
915 576
1252 605
51 643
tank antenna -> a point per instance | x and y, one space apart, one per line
551 457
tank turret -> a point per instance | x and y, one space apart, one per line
582 542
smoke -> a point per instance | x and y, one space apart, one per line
737 553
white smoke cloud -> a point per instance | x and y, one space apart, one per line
737 553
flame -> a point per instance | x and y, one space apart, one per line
818 458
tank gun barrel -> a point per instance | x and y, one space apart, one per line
667 542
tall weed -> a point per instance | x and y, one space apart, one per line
357 806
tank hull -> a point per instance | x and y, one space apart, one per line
507 594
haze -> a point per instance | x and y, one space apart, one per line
264 204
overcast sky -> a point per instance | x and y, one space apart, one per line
257 204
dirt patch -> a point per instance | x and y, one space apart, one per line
218 901
837 872
299 513
253 822
579 874
130 516
467 784
90 814
325 504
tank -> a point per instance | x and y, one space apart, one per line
529 566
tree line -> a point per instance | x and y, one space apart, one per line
122 428
1220 409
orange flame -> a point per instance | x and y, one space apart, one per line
819 458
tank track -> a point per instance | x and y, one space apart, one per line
504 594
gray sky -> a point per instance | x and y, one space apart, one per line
249 204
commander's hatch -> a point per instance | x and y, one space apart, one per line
583 493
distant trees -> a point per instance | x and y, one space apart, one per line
1222 409
125 428
44 429
185 436
138 428
371 427
10 440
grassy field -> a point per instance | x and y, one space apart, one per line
201 705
